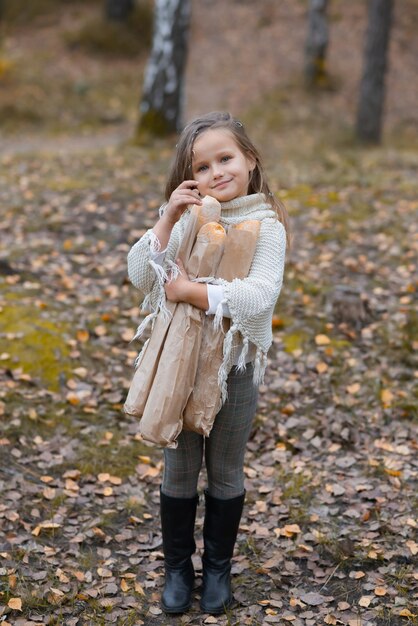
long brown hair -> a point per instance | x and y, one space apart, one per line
180 169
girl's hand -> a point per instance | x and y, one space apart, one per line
185 194
175 289
182 289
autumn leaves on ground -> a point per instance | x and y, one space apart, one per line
329 532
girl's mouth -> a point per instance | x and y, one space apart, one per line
221 184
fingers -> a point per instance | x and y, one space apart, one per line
180 265
187 192
183 196
190 184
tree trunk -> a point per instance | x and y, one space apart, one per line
118 9
316 43
372 88
161 106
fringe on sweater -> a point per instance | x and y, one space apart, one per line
251 300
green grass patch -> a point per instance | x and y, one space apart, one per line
34 342
115 457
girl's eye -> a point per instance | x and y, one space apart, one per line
225 158
202 168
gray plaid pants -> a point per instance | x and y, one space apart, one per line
224 449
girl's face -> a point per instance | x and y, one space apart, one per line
219 166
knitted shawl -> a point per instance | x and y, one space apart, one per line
251 300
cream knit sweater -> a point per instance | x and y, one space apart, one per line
251 300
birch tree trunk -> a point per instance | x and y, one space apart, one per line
316 43
161 108
372 87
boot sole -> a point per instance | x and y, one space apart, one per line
173 611
219 610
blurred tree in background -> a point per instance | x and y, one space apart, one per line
316 44
118 9
161 108
372 87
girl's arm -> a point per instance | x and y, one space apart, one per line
186 193
182 289
141 268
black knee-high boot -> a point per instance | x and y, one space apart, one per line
177 523
220 530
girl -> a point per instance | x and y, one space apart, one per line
214 157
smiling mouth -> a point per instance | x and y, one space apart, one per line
221 184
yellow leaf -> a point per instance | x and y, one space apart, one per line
15 604
354 388
321 367
83 336
144 459
292 528
380 591
124 585
413 547
392 472
49 493
104 572
407 613
322 340
386 397
287 531
330 619
12 581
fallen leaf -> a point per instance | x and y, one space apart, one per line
407 613
313 598
321 367
380 591
386 397
353 389
15 604
322 340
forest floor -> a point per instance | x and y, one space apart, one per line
329 531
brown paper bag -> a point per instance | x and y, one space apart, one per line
205 399
141 384
161 422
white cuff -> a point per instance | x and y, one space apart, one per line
215 297
158 257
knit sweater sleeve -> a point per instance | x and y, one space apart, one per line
146 274
251 300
